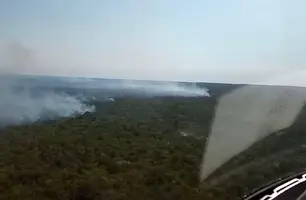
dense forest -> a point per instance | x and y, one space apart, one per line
138 148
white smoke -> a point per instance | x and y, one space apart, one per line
22 103
147 88
23 106
169 89
30 103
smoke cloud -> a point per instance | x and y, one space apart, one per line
27 99
24 107
146 88
167 89
22 103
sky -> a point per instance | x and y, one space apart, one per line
238 41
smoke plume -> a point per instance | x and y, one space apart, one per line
167 89
22 103
145 88
26 99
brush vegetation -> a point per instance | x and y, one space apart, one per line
137 148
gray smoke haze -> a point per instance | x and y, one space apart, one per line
27 105
169 89
26 99
19 106
23 107
146 88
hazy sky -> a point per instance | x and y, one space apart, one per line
206 40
